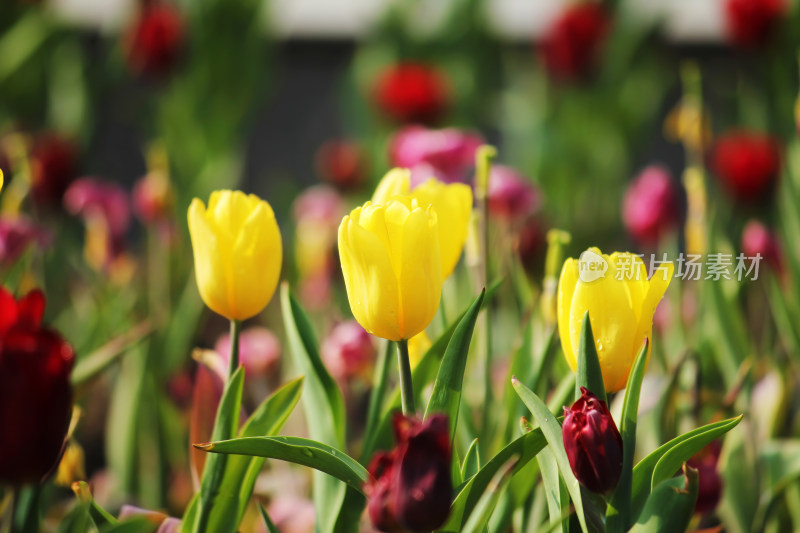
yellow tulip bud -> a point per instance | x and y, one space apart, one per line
452 203
418 345
237 252
621 302
392 266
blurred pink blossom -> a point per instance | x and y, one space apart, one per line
320 203
650 206
89 196
348 351
512 197
445 154
757 239
292 514
16 235
259 351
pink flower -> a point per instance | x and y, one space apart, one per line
89 196
446 154
348 351
757 239
292 514
152 198
321 204
512 197
650 206
259 351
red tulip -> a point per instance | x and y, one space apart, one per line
410 489
35 391
709 491
154 39
411 92
573 43
650 206
342 163
750 23
747 163
593 443
53 167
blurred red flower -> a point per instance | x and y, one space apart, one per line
53 167
410 488
751 22
748 163
650 206
572 45
153 41
341 163
412 92
710 482
35 390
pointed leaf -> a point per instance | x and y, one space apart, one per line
590 374
296 450
271 527
670 505
552 432
472 462
483 509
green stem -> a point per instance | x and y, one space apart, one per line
215 463
379 381
406 386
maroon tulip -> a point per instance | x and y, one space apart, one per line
411 92
53 167
757 239
410 489
750 23
747 163
35 391
650 206
709 492
154 39
572 46
593 443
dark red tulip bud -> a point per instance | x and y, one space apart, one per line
410 489
35 391
709 491
342 163
574 42
154 39
750 23
53 167
593 443
747 163
412 92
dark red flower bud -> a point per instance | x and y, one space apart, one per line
593 443
342 163
747 163
650 206
573 43
757 239
154 39
35 391
411 92
750 23
16 235
709 492
53 167
410 489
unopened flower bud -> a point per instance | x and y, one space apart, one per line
593 443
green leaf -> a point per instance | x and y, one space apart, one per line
134 525
525 448
296 450
241 471
94 363
670 505
226 424
99 516
472 462
271 527
552 432
590 375
446 396
322 403
76 521
483 509
554 490
685 447
619 507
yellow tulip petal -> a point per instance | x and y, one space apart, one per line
210 269
396 182
566 288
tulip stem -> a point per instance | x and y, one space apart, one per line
406 386
236 327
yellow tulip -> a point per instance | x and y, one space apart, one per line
418 345
452 203
621 302
237 252
392 266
